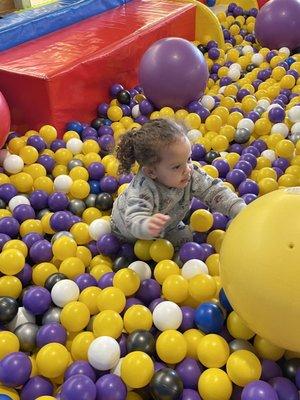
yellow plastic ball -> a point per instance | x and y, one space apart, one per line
213 264
287 82
181 114
201 220
79 173
171 346
137 317
202 287
9 343
127 280
71 267
243 367
99 270
10 286
108 323
31 225
29 154
137 369
192 338
75 316
64 247
211 170
42 271
266 349
17 245
213 123
45 221
161 249
89 296
192 121
11 262
22 181
80 189
35 171
166 112
111 298
220 143
175 288
115 113
90 146
288 180
234 118
80 345
213 351
267 185
52 360
214 384
80 232
285 148
84 254
142 249
165 268
237 327
63 156
232 159
48 133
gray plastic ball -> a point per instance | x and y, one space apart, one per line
241 344
42 212
242 135
90 200
52 315
77 207
74 163
295 137
26 334
57 235
259 110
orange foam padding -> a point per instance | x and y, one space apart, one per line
261 2
65 75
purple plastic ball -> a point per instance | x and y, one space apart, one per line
122 340
189 371
102 110
248 186
31 238
3 239
51 333
110 387
250 158
58 201
109 184
108 244
281 163
198 152
154 303
96 170
106 280
25 275
197 204
37 300
15 369
222 166
41 251
149 290
7 192
37 142
249 197
38 199
236 177
259 390
23 212
85 280
191 250
220 221
80 367
46 161
285 389
260 145
78 387
125 178
252 150
106 142
190 394
208 248
127 251
188 315
36 386
115 89
245 166
132 301
276 115
10 226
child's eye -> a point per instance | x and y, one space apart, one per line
176 167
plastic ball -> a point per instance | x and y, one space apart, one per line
108 323
74 316
64 247
64 292
167 315
142 269
78 387
98 228
214 384
165 268
104 353
13 164
11 261
213 351
52 360
209 318
259 388
15 369
127 280
111 386
9 343
202 287
192 268
137 369
137 317
243 367
166 382
141 340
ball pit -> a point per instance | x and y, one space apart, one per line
86 316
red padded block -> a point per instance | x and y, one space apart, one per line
66 74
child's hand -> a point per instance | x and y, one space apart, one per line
157 223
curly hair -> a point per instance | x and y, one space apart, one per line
145 145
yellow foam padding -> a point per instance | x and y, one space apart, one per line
246 4
207 25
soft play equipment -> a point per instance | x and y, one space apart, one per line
4 120
245 4
19 27
54 68
260 267
173 72
277 24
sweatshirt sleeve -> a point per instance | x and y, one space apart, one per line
215 194
140 205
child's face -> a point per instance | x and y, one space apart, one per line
175 168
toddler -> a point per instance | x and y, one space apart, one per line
158 198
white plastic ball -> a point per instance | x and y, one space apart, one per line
222 89
269 154
247 49
16 201
192 268
63 183
142 269
263 103
246 123
236 66
167 315
64 291
193 135
208 102
295 128
234 74
74 145
117 369
98 228
294 114
257 59
280 128
285 50
23 317
13 164
223 154
104 353
136 111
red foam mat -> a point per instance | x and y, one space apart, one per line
64 75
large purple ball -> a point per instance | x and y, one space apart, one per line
78 387
191 250
259 390
277 24
173 73
36 386
80 367
41 251
149 290
285 389
51 333
108 244
110 387
189 371
37 300
15 369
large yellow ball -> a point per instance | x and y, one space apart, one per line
259 263
137 369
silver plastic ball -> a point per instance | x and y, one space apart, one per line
26 334
241 344
42 212
74 163
260 110
57 235
295 137
77 207
52 315
90 200
242 135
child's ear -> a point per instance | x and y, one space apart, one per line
149 171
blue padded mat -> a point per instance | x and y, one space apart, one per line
19 27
